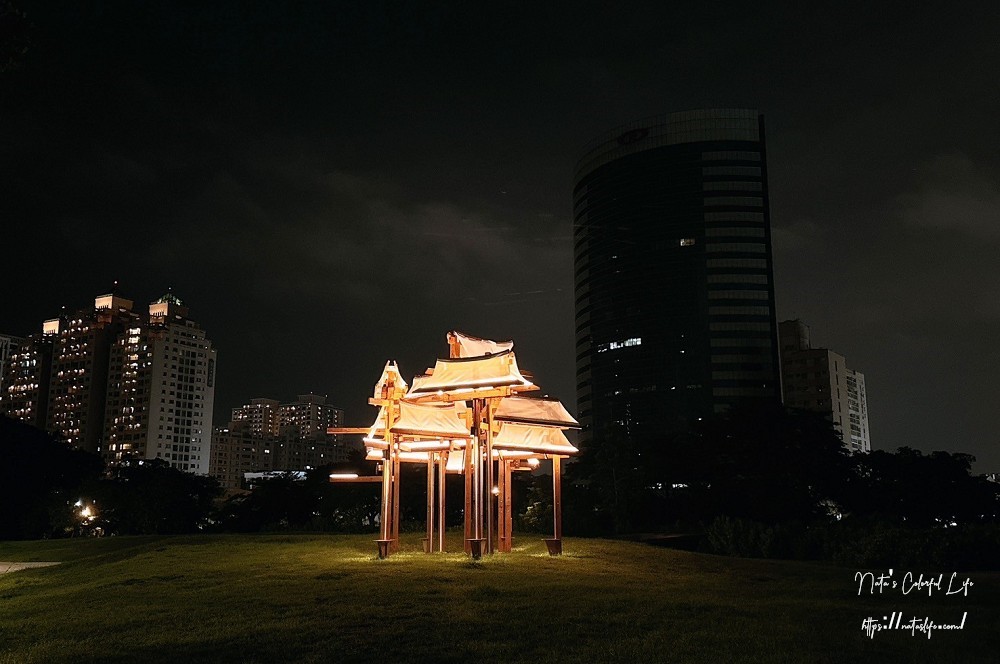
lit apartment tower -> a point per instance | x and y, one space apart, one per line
235 451
162 390
310 416
266 435
260 415
9 345
857 409
675 314
818 380
79 377
26 373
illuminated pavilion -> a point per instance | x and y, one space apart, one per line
467 415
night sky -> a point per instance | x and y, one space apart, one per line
329 185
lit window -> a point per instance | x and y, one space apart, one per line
624 343
687 241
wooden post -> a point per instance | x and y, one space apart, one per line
491 532
385 511
474 483
430 503
557 498
477 484
384 507
454 347
395 499
442 462
468 477
500 515
508 509
554 545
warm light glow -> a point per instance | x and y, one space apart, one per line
496 491
343 476
532 462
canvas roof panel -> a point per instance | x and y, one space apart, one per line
543 412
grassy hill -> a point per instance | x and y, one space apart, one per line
326 598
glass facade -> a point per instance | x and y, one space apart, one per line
673 256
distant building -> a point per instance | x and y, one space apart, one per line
310 416
26 375
675 315
818 380
9 345
234 453
118 382
266 435
161 390
79 380
260 416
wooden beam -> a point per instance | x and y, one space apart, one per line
362 479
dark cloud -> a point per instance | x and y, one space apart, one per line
332 184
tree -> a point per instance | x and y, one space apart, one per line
770 464
41 479
911 488
145 497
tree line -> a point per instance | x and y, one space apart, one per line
760 481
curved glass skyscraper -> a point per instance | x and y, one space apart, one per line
675 310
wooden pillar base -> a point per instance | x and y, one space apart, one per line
384 548
476 547
554 546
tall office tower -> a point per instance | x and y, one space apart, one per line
26 373
261 416
675 314
161 390
310 416
79 378
818 380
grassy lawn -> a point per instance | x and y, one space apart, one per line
326 598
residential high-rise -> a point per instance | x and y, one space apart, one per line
818 380
79 376
235 451
161 390
266 435
310 416
675 315
26 375
9 345
123 384
261 416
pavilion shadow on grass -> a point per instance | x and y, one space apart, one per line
466 415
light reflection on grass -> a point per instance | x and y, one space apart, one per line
310 597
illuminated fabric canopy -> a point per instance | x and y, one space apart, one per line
467 375
431 420
434 421
543 412
528 438
469 346
391 380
